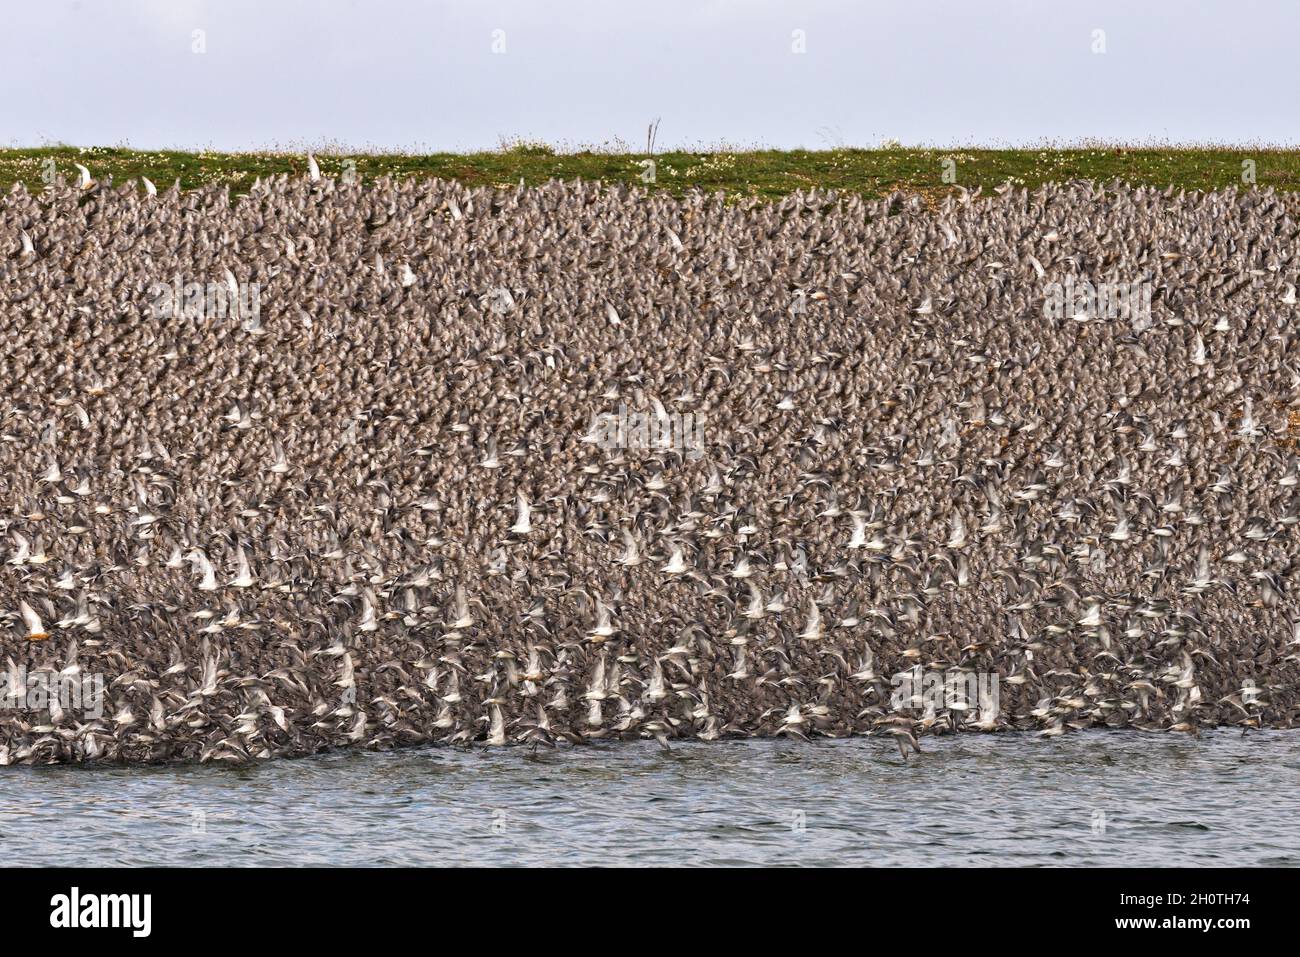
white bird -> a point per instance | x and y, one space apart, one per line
348 677
631 553
453 695
812 630
406 276
1249 427
463 618
793 721
596 690
1199 355
497 733
741 670
35 629
859 538
1092 618
149 188
243 574
958 537
522 525
369 620
208 685
866 671
313 169
53 474
279 464
504 301
604 627
24 550
28 247
676 562
238 417
204 568
657 690
232 285
85 182
1201 579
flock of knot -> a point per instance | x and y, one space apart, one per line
374 513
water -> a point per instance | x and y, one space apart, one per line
1106 798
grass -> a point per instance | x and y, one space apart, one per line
761 173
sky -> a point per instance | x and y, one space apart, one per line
433 75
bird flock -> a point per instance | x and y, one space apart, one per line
374 514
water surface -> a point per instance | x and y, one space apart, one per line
1093 798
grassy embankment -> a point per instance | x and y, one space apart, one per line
764 173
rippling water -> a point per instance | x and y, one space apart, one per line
1113 798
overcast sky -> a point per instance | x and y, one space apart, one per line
463 74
